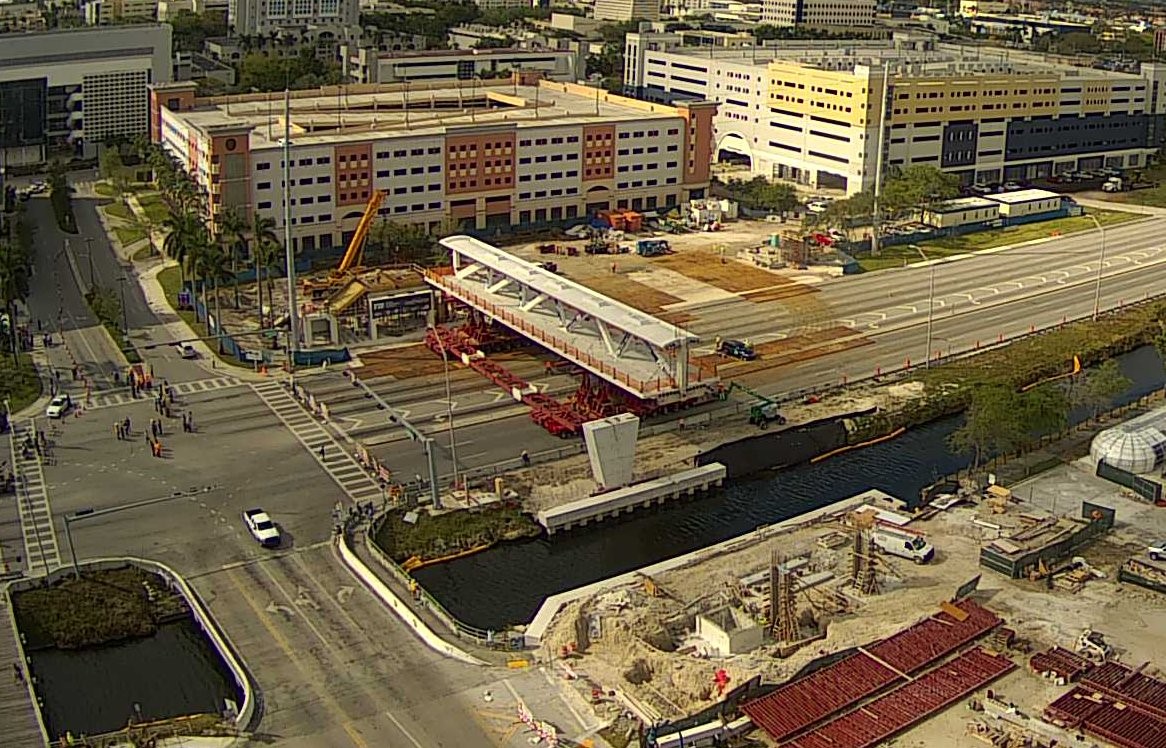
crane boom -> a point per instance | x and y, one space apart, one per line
356 244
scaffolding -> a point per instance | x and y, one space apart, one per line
782 610
864 563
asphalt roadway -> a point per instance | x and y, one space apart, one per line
978 300
333 666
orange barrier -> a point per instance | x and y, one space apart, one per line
885 437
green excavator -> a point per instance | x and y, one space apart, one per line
764 412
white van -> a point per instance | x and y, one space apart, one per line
903 544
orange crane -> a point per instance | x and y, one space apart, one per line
318 288
355 249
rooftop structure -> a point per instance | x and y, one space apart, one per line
364 65
476 155
1136 446
807 111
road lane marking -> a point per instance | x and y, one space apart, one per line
354 735
322 696
404 732
327 644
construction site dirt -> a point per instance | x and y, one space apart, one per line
649 640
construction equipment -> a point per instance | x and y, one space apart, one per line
761 414
317 289
1092 645
355 250
652 247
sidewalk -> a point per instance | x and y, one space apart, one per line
438 625
21 724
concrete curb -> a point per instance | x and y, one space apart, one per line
400 608
202 616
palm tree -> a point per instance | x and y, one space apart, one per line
15 266
211 264
262 236
232 237
185 233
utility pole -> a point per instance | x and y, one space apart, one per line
1100 268
448 407
930 313
293 326
878 183
89 254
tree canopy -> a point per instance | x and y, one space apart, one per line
761 194
269 73
917 188
435 27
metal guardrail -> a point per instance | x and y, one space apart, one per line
482 637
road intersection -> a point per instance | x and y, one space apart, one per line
333 666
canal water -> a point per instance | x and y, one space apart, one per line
506 584
97 690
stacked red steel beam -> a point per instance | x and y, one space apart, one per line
911 703
1116 721
1130 686
799 705
932 638
1060 662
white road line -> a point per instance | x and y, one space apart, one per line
327 644
397 723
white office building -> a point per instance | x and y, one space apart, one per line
68 90
627 10
364 65
818 12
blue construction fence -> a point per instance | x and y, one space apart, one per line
261 354
895 240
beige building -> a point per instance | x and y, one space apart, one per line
487 157
99 12
365 65
21 17
627 10
819 113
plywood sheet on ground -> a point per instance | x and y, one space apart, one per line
621 288
791 350
731 275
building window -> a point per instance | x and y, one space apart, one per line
265 205
262 166
263 186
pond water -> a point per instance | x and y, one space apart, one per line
96 690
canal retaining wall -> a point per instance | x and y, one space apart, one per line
537 628
773 450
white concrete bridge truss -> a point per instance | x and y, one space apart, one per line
640 354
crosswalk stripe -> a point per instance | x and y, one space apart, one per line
339 464
41 552
113 399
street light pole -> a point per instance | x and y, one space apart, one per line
448 407
1100 267
930 312
125 320
89 255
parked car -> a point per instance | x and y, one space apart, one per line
261 527
737 349
189 353
1157 551
59 406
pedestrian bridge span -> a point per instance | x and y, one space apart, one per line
638 353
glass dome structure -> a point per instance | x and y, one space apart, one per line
1136 446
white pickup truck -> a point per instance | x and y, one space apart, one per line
261 528
903 544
